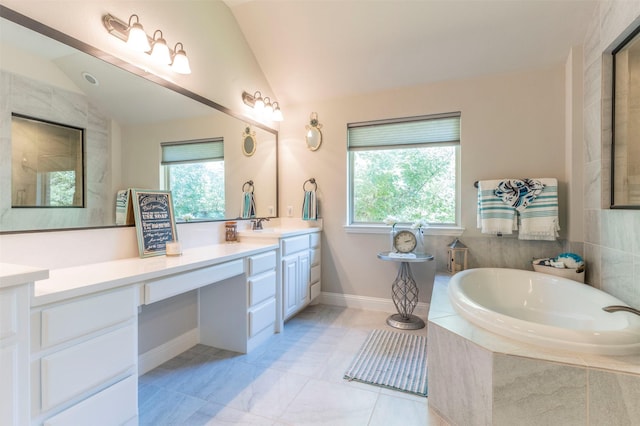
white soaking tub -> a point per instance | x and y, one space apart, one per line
544 310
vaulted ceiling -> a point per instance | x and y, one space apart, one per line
318 49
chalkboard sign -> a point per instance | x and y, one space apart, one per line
155 222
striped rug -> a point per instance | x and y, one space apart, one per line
392 360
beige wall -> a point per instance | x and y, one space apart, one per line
612 237
512 126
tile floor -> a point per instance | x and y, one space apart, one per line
293 379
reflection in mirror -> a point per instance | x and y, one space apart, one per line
46 164
249 142
125 116
625 167
314 135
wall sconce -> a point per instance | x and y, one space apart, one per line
263 107
134 35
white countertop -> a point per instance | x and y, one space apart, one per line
12 275
76 281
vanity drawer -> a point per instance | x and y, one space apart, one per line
262 287
315 255
262 263
315 274
262 317
164 288
314 290
314 240
294 244
70 320
80 368
116 405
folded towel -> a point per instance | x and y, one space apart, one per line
539 221
248 210
494 216
519 193
310 206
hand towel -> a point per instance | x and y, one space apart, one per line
494 216
248 210
310 206
519 193
539 221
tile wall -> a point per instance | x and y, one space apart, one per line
612 237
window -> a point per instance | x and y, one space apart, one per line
405 168
194 172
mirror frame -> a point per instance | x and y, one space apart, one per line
614 52
39 27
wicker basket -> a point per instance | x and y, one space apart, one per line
569 273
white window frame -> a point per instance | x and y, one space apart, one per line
379 228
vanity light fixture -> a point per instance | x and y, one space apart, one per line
263 107
134 35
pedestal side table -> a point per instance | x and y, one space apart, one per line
405 291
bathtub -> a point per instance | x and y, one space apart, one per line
544 310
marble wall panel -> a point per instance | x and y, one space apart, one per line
613 398
537 392
460 380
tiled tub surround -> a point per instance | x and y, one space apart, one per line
479 378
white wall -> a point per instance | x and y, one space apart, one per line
512 126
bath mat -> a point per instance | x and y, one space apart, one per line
392 360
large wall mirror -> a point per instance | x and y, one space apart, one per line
625 160
125 118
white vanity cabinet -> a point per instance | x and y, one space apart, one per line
14 355
16 282
84 354
300 271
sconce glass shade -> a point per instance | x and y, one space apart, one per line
160 51
180 61
268 108
138 38
277 114
258 104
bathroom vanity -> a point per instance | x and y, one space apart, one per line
299 265
69 337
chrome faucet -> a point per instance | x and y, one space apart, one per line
256 224
617 308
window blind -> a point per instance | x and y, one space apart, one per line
414 131
192 151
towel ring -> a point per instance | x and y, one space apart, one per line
311 181
249 183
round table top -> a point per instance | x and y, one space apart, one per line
388 255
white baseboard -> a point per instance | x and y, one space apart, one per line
163 353
368 303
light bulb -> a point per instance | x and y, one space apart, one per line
137 38
180 61
160 51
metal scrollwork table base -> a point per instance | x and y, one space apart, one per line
405 292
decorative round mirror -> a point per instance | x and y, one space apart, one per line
249 142
314 135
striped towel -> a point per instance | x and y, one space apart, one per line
248 205
494 216
310 206
539 221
